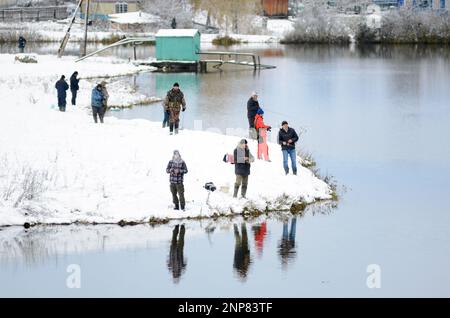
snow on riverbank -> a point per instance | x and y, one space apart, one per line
37 80
61 168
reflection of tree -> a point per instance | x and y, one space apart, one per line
176 262
241 251
286 247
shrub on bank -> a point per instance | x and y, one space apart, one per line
315 25
225 40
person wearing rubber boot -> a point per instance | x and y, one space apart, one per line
242 160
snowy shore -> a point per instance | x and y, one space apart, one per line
61 168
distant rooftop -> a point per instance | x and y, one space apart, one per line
134 18
177 32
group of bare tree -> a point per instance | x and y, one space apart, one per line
321 21
230 15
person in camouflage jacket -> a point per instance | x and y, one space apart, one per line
174 103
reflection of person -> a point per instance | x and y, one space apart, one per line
176 262
286 247
22 43
260 231
241 251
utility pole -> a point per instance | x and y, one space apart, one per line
86 21
62 47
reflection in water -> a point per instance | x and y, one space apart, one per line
176 262
259 231
241 251
286 248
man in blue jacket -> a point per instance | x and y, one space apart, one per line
61 87
287 137
97 103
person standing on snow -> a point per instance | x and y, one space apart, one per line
262 129
105 97
97 103
287 137
174 103
177 169
252 108
61 87
74 87
242 160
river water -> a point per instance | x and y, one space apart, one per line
377 119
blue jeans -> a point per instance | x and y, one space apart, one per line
291 153
166 119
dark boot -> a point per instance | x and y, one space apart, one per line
236 189
244 191
177 207
295 172
286 171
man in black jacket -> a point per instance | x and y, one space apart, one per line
61 87
242 160
74 87
252 108
287 137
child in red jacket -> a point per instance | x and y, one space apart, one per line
261 128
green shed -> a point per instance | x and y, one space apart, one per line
178 45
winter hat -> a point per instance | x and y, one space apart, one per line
176 85
284 123
254 93
260 111
176 155
243 141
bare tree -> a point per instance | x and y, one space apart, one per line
181 10
232 15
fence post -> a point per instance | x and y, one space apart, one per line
21 16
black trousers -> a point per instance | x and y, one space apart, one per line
74 96
178 191
174 125
62 103
98 111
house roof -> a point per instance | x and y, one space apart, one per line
133 18
177 32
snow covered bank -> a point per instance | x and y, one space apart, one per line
61 168
37 81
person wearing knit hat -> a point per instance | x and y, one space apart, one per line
252 108
262 128
242 160
174 104
177 169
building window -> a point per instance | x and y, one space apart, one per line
442 4
121 7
